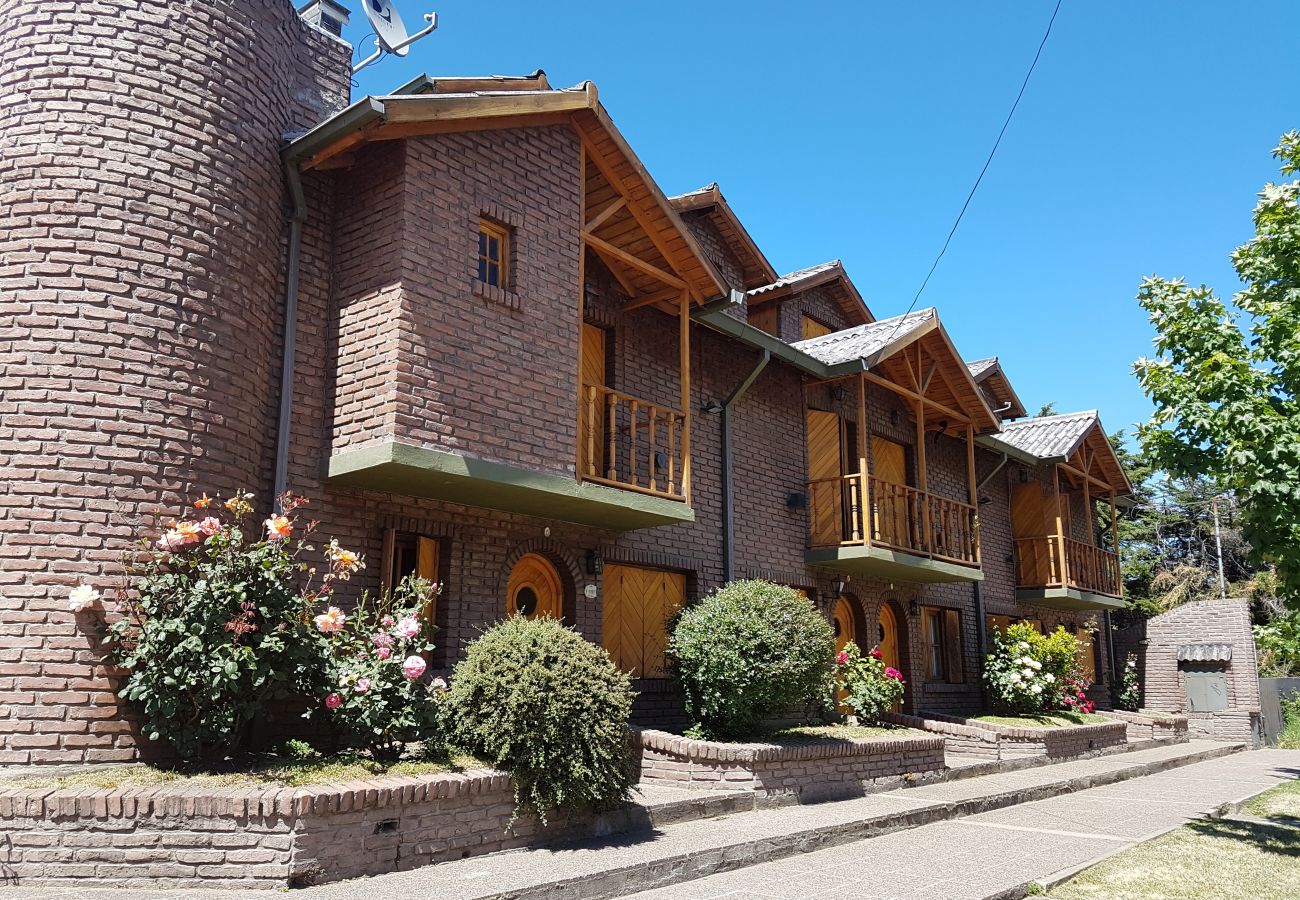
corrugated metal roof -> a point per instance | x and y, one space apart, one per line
980 366
1205 653
864 340
796 276
1048 437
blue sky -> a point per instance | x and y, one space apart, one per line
855 130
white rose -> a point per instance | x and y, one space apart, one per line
1027 672
1049 677
1036 688
1036 664
81 598
1015 678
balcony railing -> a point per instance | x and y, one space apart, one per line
900 518
629 443
1086 568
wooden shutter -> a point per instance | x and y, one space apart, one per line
426 566
1087 654
810 328
952 646
825 501
591 416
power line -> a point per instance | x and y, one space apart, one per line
987 163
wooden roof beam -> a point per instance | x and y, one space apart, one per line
604 247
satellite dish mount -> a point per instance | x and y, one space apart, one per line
390 33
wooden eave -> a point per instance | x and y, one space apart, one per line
757 271
643 241
925 364
1093 459
996 383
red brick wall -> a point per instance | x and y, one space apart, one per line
140 305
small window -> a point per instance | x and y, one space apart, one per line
810 328
493 254
942 629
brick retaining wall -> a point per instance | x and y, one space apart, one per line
1143 727
818 770
1054 743
188 836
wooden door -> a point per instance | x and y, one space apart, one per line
1087 655
638 604
535 589
426 567
825 500
890 505
888 644
1033 526
591 415
845 626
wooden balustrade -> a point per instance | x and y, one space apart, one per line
629 443
901 518
1086 568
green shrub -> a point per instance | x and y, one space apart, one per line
865 685
1128 691
1289 739
751 649
217 625
550 708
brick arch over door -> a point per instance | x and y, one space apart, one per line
566 565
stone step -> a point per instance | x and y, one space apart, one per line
667 854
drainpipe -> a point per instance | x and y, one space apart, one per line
728 500
982 638
297 214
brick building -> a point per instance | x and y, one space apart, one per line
514 365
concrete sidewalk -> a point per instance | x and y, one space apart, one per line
673 855
993 853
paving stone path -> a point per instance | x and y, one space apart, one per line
821 854
986 855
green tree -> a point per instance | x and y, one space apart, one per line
1225 378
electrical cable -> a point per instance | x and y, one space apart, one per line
987 163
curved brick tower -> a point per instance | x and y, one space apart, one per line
141 294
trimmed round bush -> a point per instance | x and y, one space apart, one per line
750 650
550 708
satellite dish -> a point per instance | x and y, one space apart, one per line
388 26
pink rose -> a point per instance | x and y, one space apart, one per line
387 621
413 668
383 652
407 628
333 701
875 651
278 528
842 657
210 526
331 621
382 640
891 672
362 686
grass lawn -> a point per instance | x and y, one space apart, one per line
1224 860
1062 719
802 734
269 771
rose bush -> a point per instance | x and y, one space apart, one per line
376 692
1028 672
865 685
217 623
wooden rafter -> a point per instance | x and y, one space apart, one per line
654 299
605 248
602 217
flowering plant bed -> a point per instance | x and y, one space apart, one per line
1062 719
795 765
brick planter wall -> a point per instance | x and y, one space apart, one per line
187 836
1142 727
1074 740
962 740
819 770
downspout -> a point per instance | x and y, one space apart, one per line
297 215
981 631
728 500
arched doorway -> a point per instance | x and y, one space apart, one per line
888 637
535 588
844 623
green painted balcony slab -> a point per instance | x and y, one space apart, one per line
439 475
881 562
1070 598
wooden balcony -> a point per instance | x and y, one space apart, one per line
898 532
630 443
1061 572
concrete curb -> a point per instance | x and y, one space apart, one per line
683 867
1045 885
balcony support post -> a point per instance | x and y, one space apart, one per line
684 318
862 523
974 490
1114 544
584 409
923 513
1063 572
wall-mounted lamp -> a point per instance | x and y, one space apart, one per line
797 500
985 500
914 607
713 407
838 393
893 417
595 564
